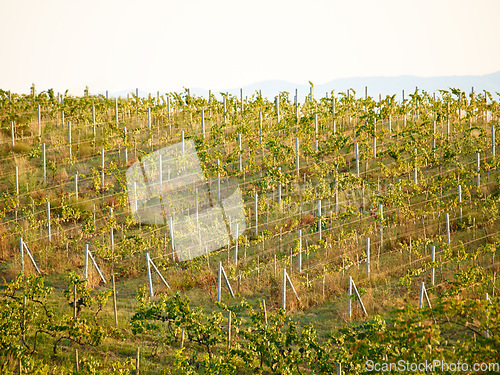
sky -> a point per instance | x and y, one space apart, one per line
217 44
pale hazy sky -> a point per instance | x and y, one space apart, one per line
218 44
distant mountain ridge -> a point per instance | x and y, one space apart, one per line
375 86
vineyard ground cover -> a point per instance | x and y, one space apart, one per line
413 217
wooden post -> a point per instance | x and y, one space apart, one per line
137 357
448 238
77 362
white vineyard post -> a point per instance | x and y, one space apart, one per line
88 254
39 121
12 134
102 169
423 293
150 263
21 249
150 280
349 307
86 262
220 274
352 287
279 189
283 296
16 173
203 122
49 234
219 282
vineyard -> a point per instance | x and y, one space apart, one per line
371 233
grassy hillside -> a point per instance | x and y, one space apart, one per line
416 179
